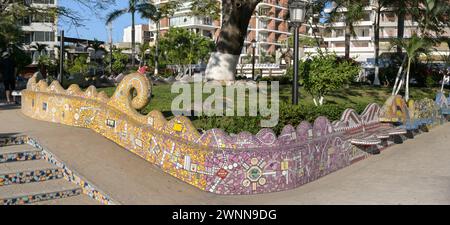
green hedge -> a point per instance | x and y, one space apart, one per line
289 114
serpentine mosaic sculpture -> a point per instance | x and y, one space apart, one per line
424 112
443 103
214 161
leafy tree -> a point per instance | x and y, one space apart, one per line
142 49
78 66
209 8
156 14
12 11
47 65
325 74
183 47
432 16
141 6
119 62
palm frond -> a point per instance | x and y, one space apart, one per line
147 10
115 14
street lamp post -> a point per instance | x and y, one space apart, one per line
297 11
253 58
61 58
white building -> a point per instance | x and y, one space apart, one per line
141 31
38 29
267 26
362 46
181 18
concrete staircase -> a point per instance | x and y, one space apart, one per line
27 178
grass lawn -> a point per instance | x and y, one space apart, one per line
354 96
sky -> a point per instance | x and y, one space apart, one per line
94 25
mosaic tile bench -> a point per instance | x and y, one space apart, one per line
415 115
443 103
215 161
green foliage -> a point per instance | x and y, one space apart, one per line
289 114
413 46
303 41
120 61
22 58
326 73
431 15
78 66
206 8
266 58
285 79
356 97
48 64
181 47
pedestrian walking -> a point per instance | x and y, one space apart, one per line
8 70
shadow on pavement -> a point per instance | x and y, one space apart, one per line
9 107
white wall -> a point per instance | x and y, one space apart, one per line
139 31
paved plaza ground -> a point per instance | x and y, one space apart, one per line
416 172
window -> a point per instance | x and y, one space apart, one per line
40 36
360 44
263 24
339 33
43 1
263 36
339 45
388 17
180 20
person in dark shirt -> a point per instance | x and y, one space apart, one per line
8 70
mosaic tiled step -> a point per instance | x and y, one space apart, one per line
19 194
28 171
22 152
11 140
74 200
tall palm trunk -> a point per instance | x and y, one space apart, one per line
133 41
347 41
397 78
376 81
407 81
400 27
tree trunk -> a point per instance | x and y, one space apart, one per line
158 27
236 17
347 41
376 81
407 81
400 27
133 41
397 78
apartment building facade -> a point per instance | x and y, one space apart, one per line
142 34
362 46
268 26
40 29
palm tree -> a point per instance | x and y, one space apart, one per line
379 5
413 48
155 15
432 15
134 6
142 49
